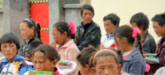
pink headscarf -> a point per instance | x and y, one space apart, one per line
135 32
72 27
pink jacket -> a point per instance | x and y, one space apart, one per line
68 51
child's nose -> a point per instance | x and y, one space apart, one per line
38 67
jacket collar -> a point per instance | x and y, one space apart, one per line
133 53
66 44
15 59
86 25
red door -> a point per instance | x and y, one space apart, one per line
39 11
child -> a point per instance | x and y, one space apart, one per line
11 63
83 61
125 37
44 58
66 46
106 62
141 21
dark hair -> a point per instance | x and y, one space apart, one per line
141 20
38 28
84 56
31 23
113 18
63 27
33 45
48 51
126 31
87 7
9 38
160 18
104 52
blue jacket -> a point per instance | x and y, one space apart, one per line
134 64
15 66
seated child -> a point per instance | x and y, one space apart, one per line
44 58
134 62
106 62
83 61
11 63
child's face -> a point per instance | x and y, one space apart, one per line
106 65
9 50
120 44
58 36
41 65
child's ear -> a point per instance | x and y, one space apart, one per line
55 62
119 67
93 69
65 33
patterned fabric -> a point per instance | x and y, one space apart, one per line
17 66
108 42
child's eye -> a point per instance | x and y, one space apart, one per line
4 46
101 68
110 66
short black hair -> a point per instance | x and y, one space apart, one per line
9 38
160 18
48 51
113 18
85 55
33 45
141 20
87 7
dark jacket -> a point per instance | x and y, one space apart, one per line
148 43
25 48
89 34
134 64
11 67
160 50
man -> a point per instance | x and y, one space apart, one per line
111 22
88 33
159 27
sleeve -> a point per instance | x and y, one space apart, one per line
136 67
93 38
162 56
149 46
76 35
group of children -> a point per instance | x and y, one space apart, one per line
121 53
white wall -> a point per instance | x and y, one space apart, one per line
125 9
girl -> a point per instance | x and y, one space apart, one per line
83 61
66 46
106 62
11 63
30 33
44 58
125 38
